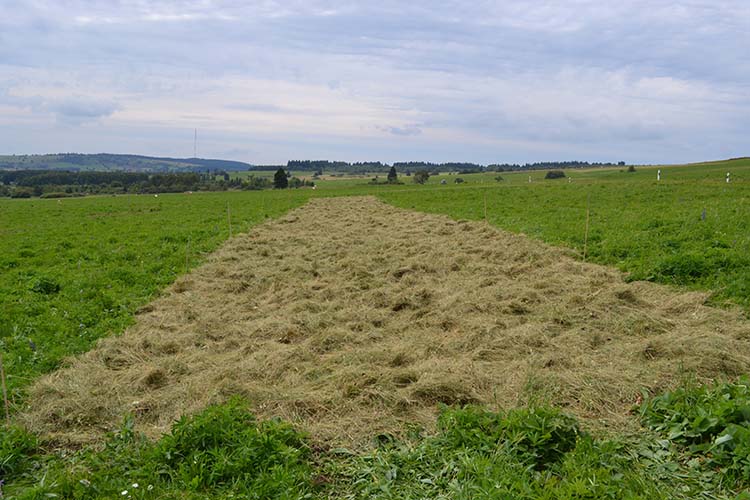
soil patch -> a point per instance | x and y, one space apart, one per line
352 318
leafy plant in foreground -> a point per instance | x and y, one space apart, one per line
225 446
17 447
712 422
221 452
523 454
537 436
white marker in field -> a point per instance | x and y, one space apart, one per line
658 175
727 177
529 179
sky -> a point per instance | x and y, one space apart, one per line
641 81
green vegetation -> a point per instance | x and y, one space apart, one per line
710 423
16 449
392 175
224 452
421 176
65 184
555 174
524 454
280 180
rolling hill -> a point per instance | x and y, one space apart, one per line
108 162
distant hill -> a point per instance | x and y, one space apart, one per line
114 162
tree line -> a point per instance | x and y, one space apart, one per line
409 167
59 183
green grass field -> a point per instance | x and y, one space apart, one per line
75 270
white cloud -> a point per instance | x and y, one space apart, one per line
77 110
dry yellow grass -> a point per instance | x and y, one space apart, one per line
350 317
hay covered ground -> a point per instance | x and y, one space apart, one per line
350 318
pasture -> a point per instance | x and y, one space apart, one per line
367 328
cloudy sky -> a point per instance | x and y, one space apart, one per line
645 81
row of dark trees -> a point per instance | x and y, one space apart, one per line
58 183
409 167
319 166
28 183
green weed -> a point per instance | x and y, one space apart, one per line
17 448
222 452
523 454
711 423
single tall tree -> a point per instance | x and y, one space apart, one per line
392 175
280 180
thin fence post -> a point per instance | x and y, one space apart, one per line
187 254
485 206
586 234
5 391
229 221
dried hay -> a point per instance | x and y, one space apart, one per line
351 318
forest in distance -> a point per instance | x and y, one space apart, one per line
79 162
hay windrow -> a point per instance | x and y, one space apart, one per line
351 318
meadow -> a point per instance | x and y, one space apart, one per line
77 270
